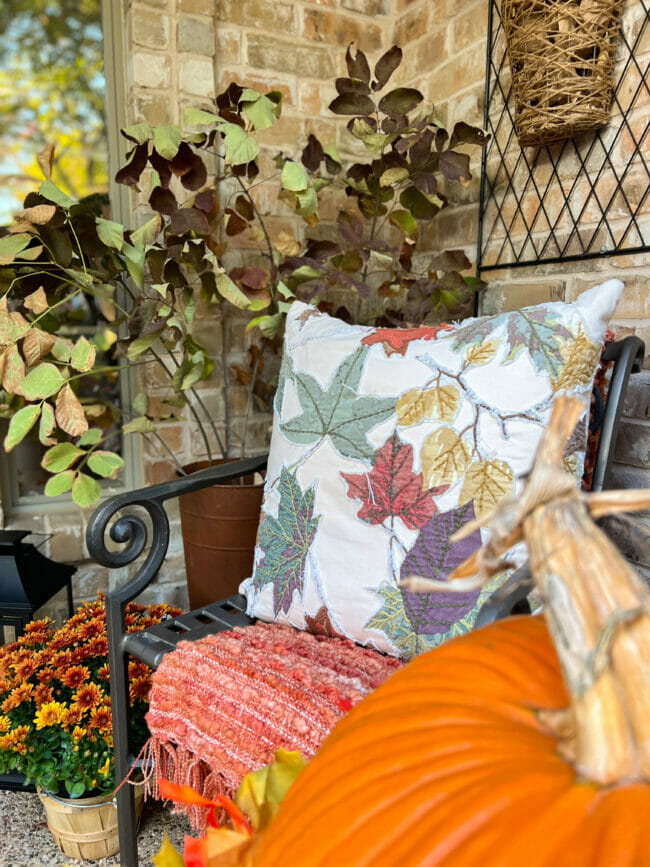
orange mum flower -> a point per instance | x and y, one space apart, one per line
35 638
20 733
98 646
18 696
104 673
5 724
75 676
43 694
138 669
87 696
139 689
62 659
77 655
71 716
38 625
65 637
26 669
91 628
100 719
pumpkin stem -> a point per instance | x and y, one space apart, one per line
596 606
597 609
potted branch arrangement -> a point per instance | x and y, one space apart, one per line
146 285
55 721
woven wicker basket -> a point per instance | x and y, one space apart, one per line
561 55
86 828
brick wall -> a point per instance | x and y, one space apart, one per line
183 52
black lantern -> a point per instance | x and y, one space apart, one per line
27 580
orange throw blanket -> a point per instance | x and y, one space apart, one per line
220 707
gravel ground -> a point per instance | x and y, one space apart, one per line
25 840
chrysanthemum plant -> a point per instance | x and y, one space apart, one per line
147 284
55 703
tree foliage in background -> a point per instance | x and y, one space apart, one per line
60 253
52 89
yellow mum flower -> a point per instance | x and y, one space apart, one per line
78 733
48 714
5 724
105 768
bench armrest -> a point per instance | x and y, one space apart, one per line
132 531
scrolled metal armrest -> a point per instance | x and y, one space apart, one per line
132 531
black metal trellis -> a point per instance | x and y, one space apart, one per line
575 199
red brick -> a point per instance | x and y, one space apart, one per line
410 26
332 27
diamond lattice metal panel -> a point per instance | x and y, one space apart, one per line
582 198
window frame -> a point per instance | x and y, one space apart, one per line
12 504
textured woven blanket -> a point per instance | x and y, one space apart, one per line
221 706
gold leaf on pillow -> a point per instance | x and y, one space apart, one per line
437 403
580 358
444 457
481 353
486 482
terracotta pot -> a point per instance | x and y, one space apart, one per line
86 828
219 527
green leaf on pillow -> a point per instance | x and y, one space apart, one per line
285 542
538 331
338 411
391 619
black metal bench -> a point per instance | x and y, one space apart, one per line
150 645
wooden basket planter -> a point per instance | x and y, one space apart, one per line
86 828
561 55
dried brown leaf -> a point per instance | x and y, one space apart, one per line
70 414
37 344
37 301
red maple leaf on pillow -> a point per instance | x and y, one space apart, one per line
391 489
398 339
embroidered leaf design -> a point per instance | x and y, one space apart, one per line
444 457
320 624
486 482
535 330
481 353
415 622
392 621
338 411
433 555
285 542
579 360
396 340
436 403
477 332
306 315
391 489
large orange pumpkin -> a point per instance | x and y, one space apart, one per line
477 753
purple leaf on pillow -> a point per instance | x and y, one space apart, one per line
434 556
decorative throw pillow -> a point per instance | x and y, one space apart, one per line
385 442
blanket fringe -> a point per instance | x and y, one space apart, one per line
172 762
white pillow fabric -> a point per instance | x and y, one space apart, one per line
387 441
